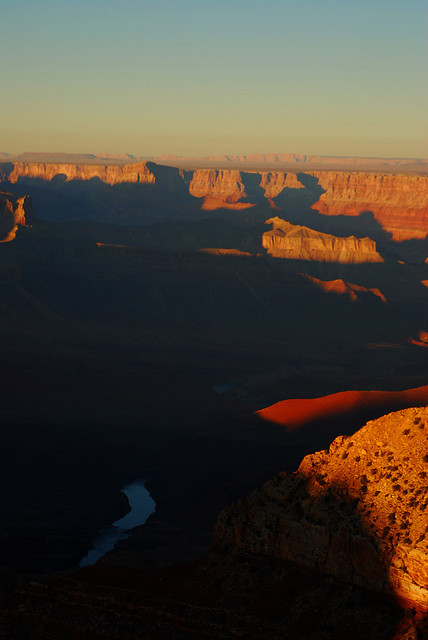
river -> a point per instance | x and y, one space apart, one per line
142 506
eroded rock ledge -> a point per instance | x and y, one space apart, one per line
358 511
297 242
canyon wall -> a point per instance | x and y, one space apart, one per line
397 203
110 174
357 511
295 242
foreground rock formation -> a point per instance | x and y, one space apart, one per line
336 550
296 242
14 212
357 511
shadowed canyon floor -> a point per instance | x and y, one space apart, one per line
318 554
144 351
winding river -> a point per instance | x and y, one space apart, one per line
142 506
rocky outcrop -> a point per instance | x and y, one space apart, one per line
296 242
357 511
14 212
340 287
110 174
225 186
394 203
399 203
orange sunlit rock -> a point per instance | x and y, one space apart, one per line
110 174
399 203
357 511
295 242
422 340
220 186
211 204
226 252
339 286
14 212
295 413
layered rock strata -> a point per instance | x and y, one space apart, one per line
397 203
296 242
358 511
110 174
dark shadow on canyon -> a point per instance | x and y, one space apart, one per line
231 591
169 200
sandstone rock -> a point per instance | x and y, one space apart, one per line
110 174
358 511
14 212
296 242
398 203
226 186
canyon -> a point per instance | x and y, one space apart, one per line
392 205
129 292
356 511
336 549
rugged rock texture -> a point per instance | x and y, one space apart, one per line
357 511
14 212
110 174
295 242
399 203
226 186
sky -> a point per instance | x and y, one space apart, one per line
202 77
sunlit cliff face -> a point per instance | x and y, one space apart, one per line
396 204
296 242
357 511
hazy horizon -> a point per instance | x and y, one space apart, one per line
215 78
171 154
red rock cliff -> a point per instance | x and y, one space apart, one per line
398 202
110 174
295 242
357 511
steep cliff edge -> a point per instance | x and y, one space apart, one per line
357 511
296 242
398 202
110 174
14 212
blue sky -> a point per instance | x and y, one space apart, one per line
215 76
